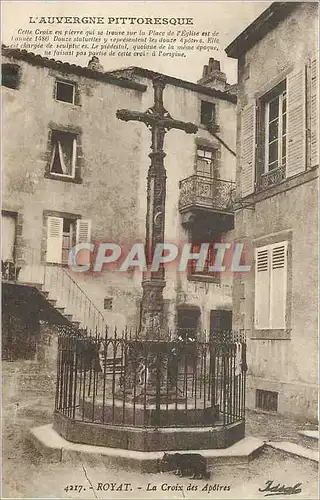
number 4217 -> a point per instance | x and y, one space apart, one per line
74 487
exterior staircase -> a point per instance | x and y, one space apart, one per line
60 296
65 294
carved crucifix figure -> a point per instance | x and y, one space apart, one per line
159 121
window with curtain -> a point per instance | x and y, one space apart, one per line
63 153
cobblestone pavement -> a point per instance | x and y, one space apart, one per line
27 475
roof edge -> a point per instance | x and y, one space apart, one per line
178 82
267 20
38 60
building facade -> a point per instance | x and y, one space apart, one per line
74 173
276 208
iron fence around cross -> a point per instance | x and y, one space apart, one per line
121 380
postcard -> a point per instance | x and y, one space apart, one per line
160 249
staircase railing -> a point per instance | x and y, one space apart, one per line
60 287
69 295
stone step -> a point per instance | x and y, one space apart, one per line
68 317
57 449
312 434
60 310
294 449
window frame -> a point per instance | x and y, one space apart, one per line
265 177
205 149
72 237
73 159
277 93
17 68
213 119
205 274
65 82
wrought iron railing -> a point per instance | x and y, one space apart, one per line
127 381
271 178
206 192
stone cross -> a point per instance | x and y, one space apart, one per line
159 121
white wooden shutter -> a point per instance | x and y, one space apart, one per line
83 231
247 155
314 114
83 235
278 285
54 240
296 122
262 288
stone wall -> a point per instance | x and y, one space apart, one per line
284 362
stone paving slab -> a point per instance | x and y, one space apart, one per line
310 434
295 449
55 448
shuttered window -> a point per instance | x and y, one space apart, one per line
271 286
60 238
277 148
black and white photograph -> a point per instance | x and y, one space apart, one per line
159 249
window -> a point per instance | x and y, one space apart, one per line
273 142
204 232
8 230
63 153
275 115
220 321
271 286
62 235
195 248
107 303
208 113
9 270
266 400
10 75
188 323
65 92
204 164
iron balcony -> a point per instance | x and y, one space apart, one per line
198 192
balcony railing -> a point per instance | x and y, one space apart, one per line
206 192
271 178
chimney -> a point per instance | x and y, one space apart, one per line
212 76
94 64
